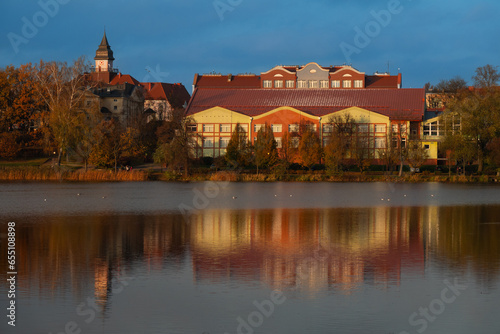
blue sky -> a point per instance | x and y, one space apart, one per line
172 40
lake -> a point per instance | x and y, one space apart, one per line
209 258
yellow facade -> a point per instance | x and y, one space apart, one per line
215 126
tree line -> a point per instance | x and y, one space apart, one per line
48 109
44 110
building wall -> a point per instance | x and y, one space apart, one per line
347 74
286 118
276 75
372 127
214 127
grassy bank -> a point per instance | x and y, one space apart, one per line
32 172
48 173
323 177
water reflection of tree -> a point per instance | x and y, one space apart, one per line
470 236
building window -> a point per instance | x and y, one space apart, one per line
224 141
279 142
363 128
268 84
326 140
431 129
302 84
208 142
379 142
395 128
358 83
290 84
191 128
311 127
294 142
115 108
115 100
380 128
208 128
277 127
324 84
327 128
225 128
257 127
313 84
335 83
244 127
278 83
293 128
346 84
426 146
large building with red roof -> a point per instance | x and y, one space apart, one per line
287 96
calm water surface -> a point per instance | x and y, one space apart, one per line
249 258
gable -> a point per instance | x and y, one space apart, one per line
220 115
360 115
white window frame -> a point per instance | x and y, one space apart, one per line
380 142
225 128
278 83
358 83
224 141
301 84
290 84
323 84
380 128
208 128
327 128
346 84
335 83
293 127
209 140
277 127
313 84
279 142
257 127
267 84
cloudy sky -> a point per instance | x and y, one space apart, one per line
171 40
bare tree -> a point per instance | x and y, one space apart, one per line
62 87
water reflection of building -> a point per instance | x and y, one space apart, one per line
311 249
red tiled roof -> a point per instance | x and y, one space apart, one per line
226 81
398 104
124 78
381 81
176 94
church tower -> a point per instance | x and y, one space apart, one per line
104 56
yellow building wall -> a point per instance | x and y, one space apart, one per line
213 118
360 115
432 151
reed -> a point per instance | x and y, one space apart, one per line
47 173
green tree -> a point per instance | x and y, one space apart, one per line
479 115
177 152
266 153
237 151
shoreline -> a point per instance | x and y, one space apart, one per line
66 174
